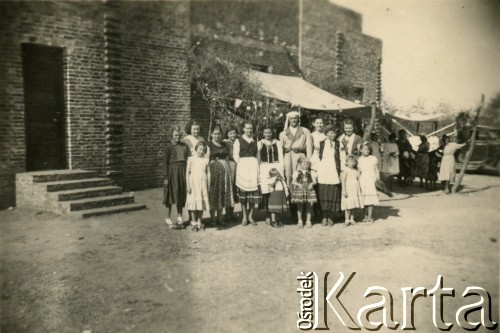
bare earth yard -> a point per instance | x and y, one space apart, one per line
129 272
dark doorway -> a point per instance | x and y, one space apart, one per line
44 107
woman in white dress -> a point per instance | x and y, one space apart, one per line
447 169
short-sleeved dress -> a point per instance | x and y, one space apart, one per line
447 170
354 198
301 194
198 181
368 169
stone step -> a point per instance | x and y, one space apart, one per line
77 184
107 201
60 175
90 192
108 210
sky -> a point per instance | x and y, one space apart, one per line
440 51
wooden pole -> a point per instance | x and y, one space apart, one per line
371 124
471 149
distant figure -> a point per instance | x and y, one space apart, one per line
447 169
390 165
405 160
422 160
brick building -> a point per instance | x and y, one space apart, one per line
98 85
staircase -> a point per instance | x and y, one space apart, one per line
78 193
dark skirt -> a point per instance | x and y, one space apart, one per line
432 173
329 197
175 191
221 186
277 202
249 197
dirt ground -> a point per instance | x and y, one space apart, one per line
129 272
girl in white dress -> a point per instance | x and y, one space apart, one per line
197 175
369 174
351 192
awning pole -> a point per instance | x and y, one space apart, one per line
440 130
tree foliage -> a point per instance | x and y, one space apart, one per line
224 80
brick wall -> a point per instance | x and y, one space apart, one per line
154 41
125 84
357 55
76 27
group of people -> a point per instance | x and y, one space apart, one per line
328 171
398 159
325 169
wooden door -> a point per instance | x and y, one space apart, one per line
44 107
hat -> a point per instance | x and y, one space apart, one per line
289 115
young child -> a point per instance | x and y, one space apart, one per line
303 194
351 191
197 175
369 174
277 202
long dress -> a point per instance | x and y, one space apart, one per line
176 155
447 170
197 178
405 160
317 137
270 156
369 174
432 171
390 165
247 170
232 167
329 189
221 185
375 147
354 198
422 160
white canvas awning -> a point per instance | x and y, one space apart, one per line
297 91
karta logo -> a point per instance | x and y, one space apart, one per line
309 316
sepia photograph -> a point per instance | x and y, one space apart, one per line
249 165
